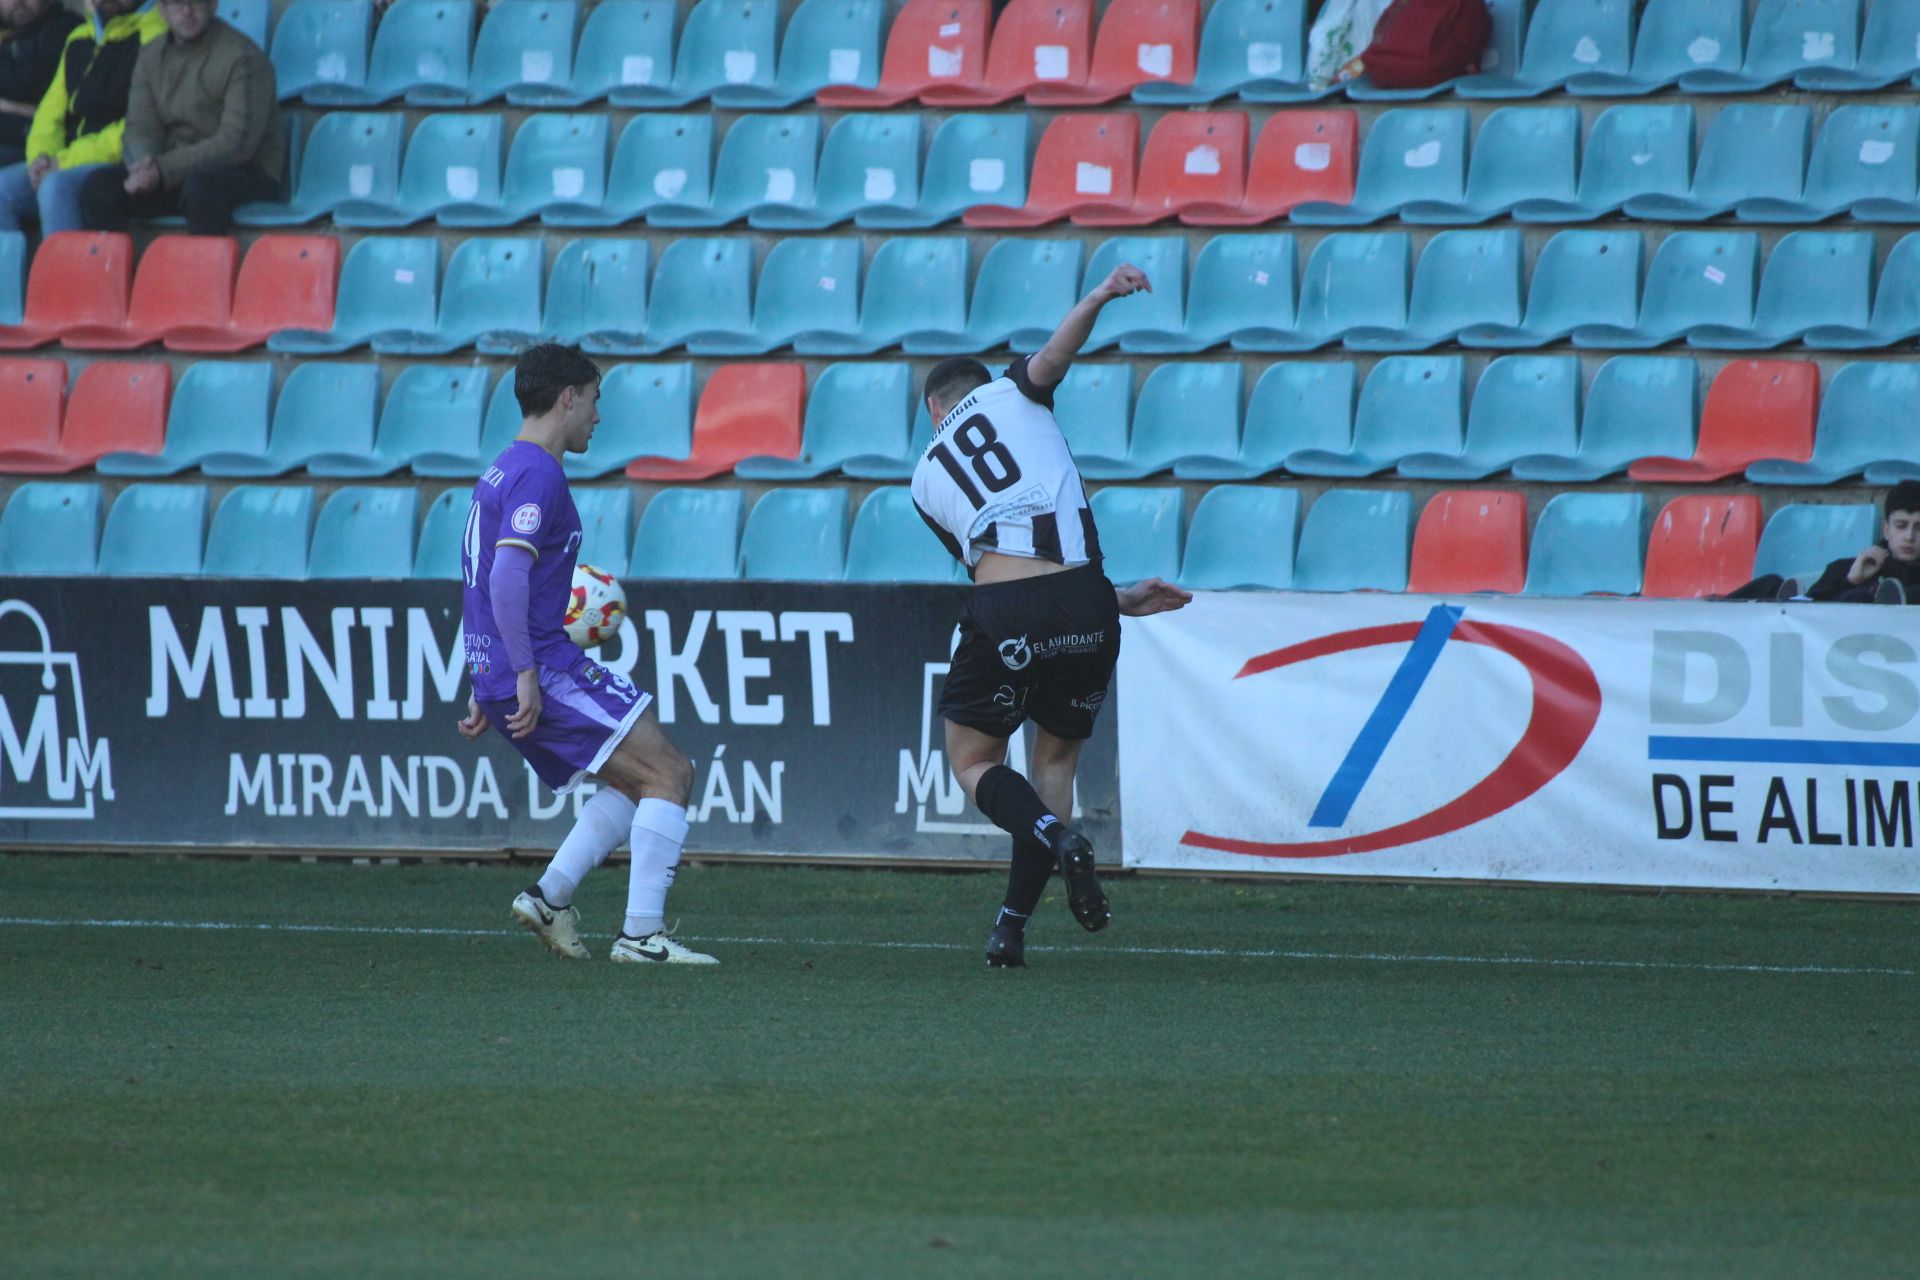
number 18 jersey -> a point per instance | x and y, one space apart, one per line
999 477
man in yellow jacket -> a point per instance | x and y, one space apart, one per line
79 123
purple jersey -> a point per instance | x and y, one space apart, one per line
521 501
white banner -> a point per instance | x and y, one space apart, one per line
1500 738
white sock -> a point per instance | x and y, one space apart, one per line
604 820
659 829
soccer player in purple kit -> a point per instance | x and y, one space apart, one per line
570 717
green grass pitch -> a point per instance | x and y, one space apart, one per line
1330 1079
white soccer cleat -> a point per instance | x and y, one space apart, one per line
656 948
559 929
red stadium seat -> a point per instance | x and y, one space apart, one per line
286 282
117 406
1083 161
1035 43
31 393
745 410
1193 158
1755 410
1139 40
933 43
1702 546
181 281
1299 156
1470 540
78 278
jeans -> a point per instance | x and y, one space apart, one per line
56 205
206 198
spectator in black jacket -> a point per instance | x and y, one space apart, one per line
1888 572
30 42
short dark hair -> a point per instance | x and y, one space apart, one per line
1904 496
546 369
952 378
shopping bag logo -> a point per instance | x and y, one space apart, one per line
50 766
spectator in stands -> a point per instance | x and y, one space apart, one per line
203 129
30 45
1888 572
78 124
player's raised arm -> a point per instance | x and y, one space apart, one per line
1047 366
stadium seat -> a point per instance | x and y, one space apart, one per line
659 159
251 18
13 276
914 283
974 158
1755 410
1035 43
853 411
1355 540
1588 544
1300 157
702 287
1702 546
1565 38
689 533
525 55
422 51
1753 151
767 166
438 554
1889 53
34 391
555 160
1637 407
116 413
606 519
597 294
181 281
320 49
1351 282
1866 422
351 160
1296 405
452 160
1813 278
1193 160
1580 278
1865 162
1633 152
261 531
1139 41
1160 308
286 282
724 42
1470 540
50 527
796 535
646 410
1186 410
323 408
1408 405
490 299
1698 278
1085 160
890 542
389 284
1787 37
1464 278
827 42
931 44
1023 289
1253 48
1675 37
430 413
1896 306
624 45
1238 281
155 530
877 466
364 533
746 410
1412 154
1522 154
219 415
1241 536
1522 405
1502 51
1801 539
1142 532
78 279
868 160
1094 406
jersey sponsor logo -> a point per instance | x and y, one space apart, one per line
526 518
1016 653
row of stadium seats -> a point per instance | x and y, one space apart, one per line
1413 415
1052 52
1240 536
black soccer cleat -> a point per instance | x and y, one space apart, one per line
1007 947
1085 898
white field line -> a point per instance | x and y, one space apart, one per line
1228 953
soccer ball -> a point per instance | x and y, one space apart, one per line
594 607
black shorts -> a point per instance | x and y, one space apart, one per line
1043 647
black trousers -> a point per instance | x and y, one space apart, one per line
207 198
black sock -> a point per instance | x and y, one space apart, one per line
1011 804
1026 879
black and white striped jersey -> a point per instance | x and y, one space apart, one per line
999 477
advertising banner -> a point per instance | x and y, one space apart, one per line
1590 741
320 715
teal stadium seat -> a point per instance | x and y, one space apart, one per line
1241 536
625 52
896 466
1588 544
490 299
853 411
1813 279
1802 539
1787 37
320 49
766 163
1675 37
1867 412
1634 152
1698 278
659 159
1351 282
974 159
430 411
1408 405
1522 154
868 160
689 534
1412 154
1580 277
498 426
702 288
556 158
890 542
1253 48
324 408
806 286
365 533
261 531
1502 52
155 530
913 283
1753 151
1864 163
1239 281
1889 53
724 42
219 413
251 18
646 411
1565 38
50 527
1094 406
598 292
351 160
1522 405
1638 407
389 284
1186 410
422 51
1296 405
1355 540
452 162
1023 289
1896 306
1159 309
525 54
827 42
606 519
13 276
1141 532
1465 278
797 535
438 554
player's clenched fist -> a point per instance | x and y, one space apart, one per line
1126 279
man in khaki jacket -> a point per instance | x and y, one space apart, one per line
203 129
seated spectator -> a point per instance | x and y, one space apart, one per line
77 126
203 129
30 45
1888 572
